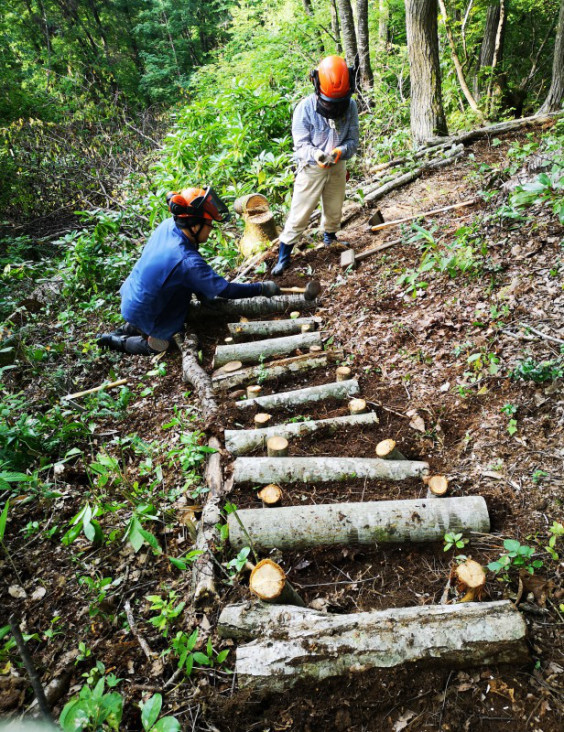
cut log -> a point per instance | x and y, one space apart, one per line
270 328
343 373
370 523
324 469
262 419
260 228
204 591
471 579
251 307
230 367
357 406
437 485
313 645
277 446
309 395
268 582
424 214
239 442
253 391
270 495
273 369
307 328
387 450
194 374
255 351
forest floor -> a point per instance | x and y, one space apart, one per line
439 364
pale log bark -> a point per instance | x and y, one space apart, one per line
383 20
365 68
239 442
335 27
274 369
427 114
347 30
194 374
251 307
253 352
269 328
353 524
321 646
309 395
323 469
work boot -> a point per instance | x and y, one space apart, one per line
127 330
114 341
137 345
330 238
284 255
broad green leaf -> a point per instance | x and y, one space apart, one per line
151 711
201 658
512 545
3 520
167 724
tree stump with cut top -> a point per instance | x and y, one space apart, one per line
260 228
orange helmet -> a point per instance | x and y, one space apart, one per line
197 204
334 78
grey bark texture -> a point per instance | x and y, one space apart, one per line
335 27
383 21
269 328
310 645
427 114
194 374
309 395
357 524
348 33
251 307
274 369
239 442
553 101
254 351
366 75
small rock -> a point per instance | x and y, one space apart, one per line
17 592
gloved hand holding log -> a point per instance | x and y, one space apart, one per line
310 291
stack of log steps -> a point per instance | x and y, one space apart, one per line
254 351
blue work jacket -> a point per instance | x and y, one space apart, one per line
155 296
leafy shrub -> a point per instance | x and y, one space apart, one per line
538 371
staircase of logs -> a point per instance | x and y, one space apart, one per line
279 640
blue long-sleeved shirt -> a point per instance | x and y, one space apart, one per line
311 131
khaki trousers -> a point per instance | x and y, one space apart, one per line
314 183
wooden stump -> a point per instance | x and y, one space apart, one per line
260 227
270 495
437 485
471 579
230 367
387 450
268 582
357 406
342 373
262 419
277 446
253 391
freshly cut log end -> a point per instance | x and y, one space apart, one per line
306 328
253 391
270 495
437 484
277 446
230 367
315 349
342 373
357 406
228 340
387 450
295 314
268 582
471 578
262 419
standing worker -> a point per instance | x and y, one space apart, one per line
155 296
325 132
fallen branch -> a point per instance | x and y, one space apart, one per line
102 387
30 668
423 214
270 328
133 627
309 395
194 374
540 334
253 351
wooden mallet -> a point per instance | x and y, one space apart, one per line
310 291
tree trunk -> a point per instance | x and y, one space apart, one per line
335 27
255 350
427 115
274 369
270 328
383 21
240 442
497 55
553 101
308 9
250 307
365 523
366 75
309 395
324 469
317 646
347 30
488 42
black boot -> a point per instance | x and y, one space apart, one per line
284 256
127 330
136 345
114 341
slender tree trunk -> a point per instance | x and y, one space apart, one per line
335 27
457 65
383 24
497 55
553 101
366 76
488 43
47 40
348 32
427 115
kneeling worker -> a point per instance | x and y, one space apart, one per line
155 296
325 132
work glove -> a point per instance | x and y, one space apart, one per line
270 288
323 159
336 154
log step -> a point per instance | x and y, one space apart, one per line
270 328
273 369
239 442
364 523
323 469
295 644
309 395
249 307
257 350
